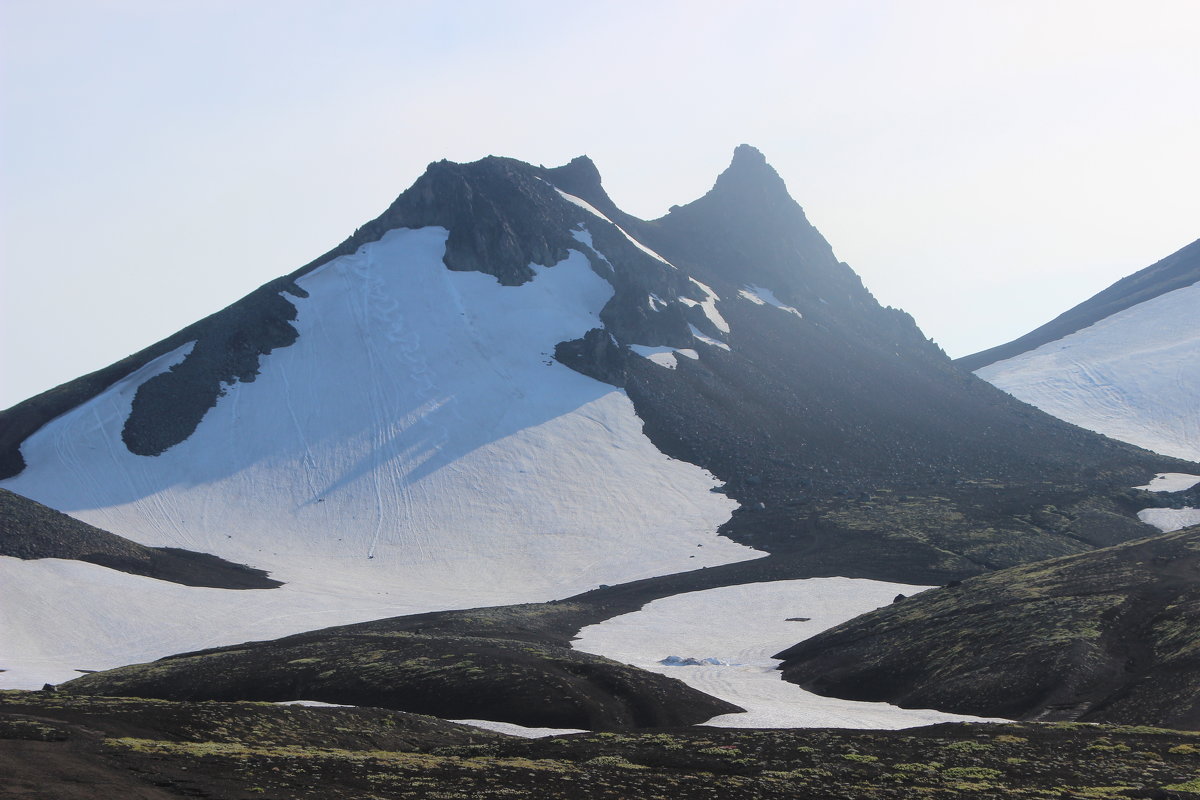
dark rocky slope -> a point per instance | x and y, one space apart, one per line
1180 269
31 530
1111 636
847 423
77 748
454 675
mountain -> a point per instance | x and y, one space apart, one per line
505 390
1123 363
1107 636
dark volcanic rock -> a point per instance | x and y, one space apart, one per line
31 530
849 400
1107 636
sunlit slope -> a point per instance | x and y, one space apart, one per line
416 448
1134 375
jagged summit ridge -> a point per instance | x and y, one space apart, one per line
749 174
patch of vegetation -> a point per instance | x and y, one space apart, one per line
971 773
230 751
1186 786
30 730
968 747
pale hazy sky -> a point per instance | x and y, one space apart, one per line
983 164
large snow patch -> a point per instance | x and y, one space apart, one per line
743 626
1134 376
1171 482
1170 519
417 448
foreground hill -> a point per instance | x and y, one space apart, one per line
1125 363
73 748
505 390
556 664
488 676
1112 636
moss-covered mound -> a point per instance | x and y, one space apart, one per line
451 676
1112 635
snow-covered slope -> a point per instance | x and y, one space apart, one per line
417 448
1134 375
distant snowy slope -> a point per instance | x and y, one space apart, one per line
417 448
1134 376
1176 271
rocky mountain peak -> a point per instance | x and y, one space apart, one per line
748 154
750 183
580 173
747 230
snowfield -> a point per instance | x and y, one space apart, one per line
765 297
663 356
1170 519
588 207
1171 482
1134 376
513 729
744 626
416 449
